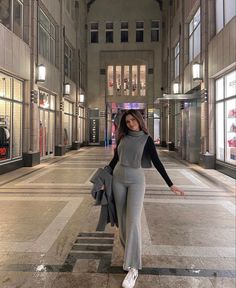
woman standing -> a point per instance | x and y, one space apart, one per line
135 148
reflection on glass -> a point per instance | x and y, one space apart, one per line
44 100
5 86
134 80
142 80
126 80
5 10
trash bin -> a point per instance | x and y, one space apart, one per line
207 160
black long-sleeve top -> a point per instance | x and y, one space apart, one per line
149 149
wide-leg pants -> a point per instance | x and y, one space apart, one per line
129 189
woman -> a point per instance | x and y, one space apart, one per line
135 149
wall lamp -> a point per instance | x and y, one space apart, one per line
196 71
176 88
41 73
81 98
66 88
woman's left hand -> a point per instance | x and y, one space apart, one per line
177 190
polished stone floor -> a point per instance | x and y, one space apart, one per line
48 221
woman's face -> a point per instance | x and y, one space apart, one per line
132 123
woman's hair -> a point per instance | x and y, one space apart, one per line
123 129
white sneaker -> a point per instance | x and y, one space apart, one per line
130 278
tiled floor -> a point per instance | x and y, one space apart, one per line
48 224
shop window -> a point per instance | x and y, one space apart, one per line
225 11
134 80
155 31
109 32
44 100
142 80
126 80
68 60
94 32
118 80
46 41
177 60
17 90
124 32
195 36
139 31
5 86
68 119
10 118
226 118
110 81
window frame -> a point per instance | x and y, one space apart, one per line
109 32
138 31
124 32
192 30
155 29
94 31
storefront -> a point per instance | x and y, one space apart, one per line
68 120
11 106
81 125
46 124
226 123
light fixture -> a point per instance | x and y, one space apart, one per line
81 98
41 73
66 88
176 88
196 71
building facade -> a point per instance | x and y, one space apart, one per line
174 61
41 116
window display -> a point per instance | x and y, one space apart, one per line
10 118
226 118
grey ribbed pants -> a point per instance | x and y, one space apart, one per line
129 189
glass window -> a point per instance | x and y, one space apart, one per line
124 31
155 31
5 86
139 31
195 36
225 11
142 80
17 18
68 123
118 80
126 80
94 32
220 131
17 131
5 13
17 90
231 131
110 80
226 118
230 10
46 41
109 32
52 102
5 129
134 80
230 84
68 60
43 100
219 89
177 60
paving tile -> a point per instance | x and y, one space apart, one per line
184 282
